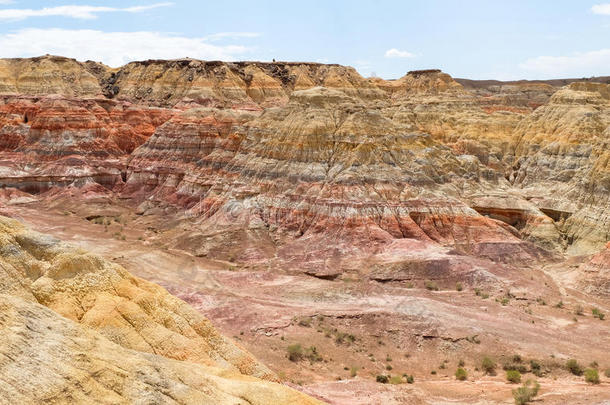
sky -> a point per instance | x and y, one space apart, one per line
477 39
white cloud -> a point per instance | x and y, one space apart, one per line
112 48
80 12
582 64
6 1
603 9
395 53
231 35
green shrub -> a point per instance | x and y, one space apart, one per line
513 376
504 301
592 376
396 379
353 372
536 368
410 379
311 353
461 374
526 392
461 363
383 379
573 367
295 352
459 287
488 366
431 285
388 367
598 314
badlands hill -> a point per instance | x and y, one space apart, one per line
417 220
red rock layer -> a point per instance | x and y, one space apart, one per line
54 140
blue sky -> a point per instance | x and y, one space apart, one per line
502 39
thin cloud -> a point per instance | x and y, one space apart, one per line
581 64
113 48
395 53
6 1
78 12
232 35
603 9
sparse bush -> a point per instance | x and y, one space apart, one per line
579 310
433 372
488 366
573 367
383 379
598 314
312 354
540 301
504 301
342 337
396 379
559 304
513 376
388 358
353 372
458 287
461 363
607 372
431 285
305 322
536 368
388 367
410 379
526 392
591 376
295 352
461 374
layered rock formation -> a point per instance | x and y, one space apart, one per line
54 141
129 330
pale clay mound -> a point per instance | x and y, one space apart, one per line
127 347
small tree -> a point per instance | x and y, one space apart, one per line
461 374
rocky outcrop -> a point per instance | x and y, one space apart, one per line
116 335
56 141
562 156
323 168
245 85
49 75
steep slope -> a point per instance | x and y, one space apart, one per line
562 160
322 175
53 140
49 75
138 316
248 85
